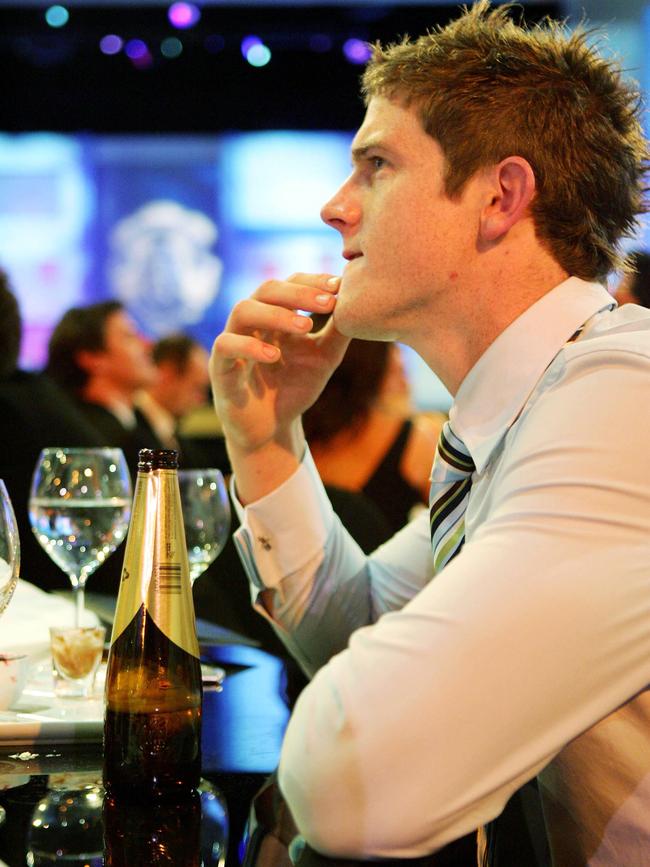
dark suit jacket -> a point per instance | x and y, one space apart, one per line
193 454
115 434
36 413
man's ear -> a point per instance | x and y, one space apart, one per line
513 187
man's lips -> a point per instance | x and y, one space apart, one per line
350 255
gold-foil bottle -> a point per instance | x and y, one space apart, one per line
152 723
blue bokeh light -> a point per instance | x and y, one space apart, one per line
258 55
214 43
171 47
138 53
57 16
136 49
247 43
320 43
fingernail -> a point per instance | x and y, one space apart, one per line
333 282
302 322
323 300
270 351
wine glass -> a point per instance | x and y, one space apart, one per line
9 549
79 509
206 515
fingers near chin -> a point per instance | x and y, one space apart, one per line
229 346
296 296
318 281
256 316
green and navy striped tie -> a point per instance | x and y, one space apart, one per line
451 478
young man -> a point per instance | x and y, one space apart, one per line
97 354
494 175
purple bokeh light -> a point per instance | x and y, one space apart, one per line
183 15
356 51
110 44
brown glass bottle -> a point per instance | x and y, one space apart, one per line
152 723
152 835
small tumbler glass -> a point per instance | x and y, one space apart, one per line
76 654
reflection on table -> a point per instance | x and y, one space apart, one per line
55 806
74 822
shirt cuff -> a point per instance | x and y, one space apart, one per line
284 530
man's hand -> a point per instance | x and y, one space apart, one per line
266 369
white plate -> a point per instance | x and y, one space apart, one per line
39 716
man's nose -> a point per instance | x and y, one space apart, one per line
342 210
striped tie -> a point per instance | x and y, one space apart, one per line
451 479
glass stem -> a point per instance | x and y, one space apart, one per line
79 604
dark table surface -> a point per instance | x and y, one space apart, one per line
243 725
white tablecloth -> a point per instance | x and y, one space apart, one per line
25 623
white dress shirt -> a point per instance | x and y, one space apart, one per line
162 422
528 655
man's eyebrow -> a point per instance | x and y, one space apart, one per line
360 151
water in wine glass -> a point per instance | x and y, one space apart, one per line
79 509
9 549
79 536
206 516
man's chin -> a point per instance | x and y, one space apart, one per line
350 323
342 320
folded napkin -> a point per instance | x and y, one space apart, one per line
25 623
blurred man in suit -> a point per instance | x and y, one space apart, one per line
34 413
97 355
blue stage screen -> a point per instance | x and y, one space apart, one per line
177 227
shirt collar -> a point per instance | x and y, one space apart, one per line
496 388
160 419
122 412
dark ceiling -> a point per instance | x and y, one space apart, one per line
58 79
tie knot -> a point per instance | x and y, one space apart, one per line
452 456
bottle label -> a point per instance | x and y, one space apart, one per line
169 597
138 554
156 570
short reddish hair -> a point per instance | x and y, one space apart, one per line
487 88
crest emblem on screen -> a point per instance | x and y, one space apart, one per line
162 266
